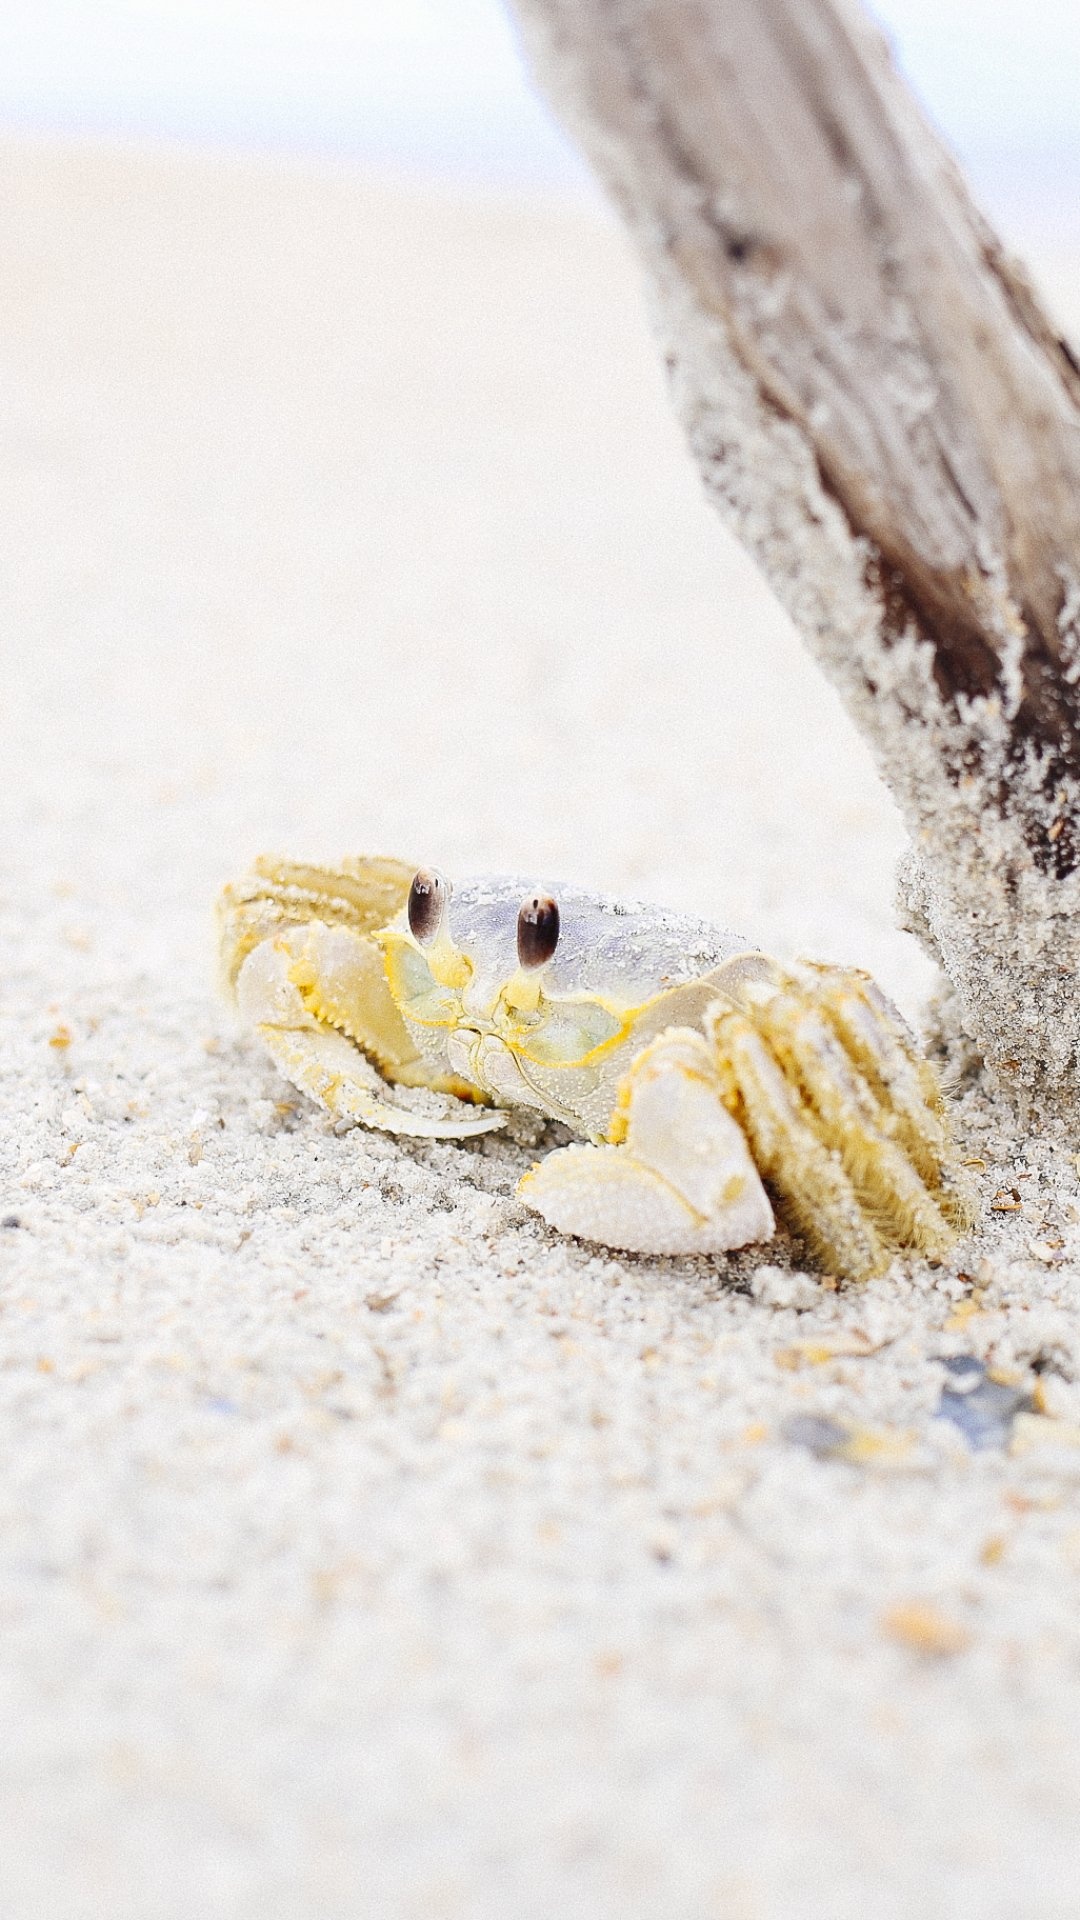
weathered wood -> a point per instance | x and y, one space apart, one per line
881 408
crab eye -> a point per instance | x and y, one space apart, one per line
428 896
537 930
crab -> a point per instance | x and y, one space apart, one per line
708 1085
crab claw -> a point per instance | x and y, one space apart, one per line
676 1175
276 995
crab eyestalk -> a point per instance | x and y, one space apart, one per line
428 897
537 937
537 931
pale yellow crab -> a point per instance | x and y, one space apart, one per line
708 1082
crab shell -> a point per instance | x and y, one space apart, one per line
558 1038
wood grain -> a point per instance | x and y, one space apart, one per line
882 409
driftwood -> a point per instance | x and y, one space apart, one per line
883 411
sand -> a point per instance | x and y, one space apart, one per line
367 1550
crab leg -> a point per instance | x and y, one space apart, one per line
817 1196
297 992
677 1176
842 1117
877 1042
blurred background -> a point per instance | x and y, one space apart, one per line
435 87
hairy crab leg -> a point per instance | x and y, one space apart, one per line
814 1191
847 1117
876 1039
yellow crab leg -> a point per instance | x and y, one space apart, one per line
808 1179
877 1042
362 893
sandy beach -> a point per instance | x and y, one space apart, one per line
368 1552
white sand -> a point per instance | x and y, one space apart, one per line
367 1552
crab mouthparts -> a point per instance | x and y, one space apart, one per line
480 1055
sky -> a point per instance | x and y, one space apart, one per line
436 87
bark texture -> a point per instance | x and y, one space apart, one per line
885 414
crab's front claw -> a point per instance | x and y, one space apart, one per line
297 992
676 1174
